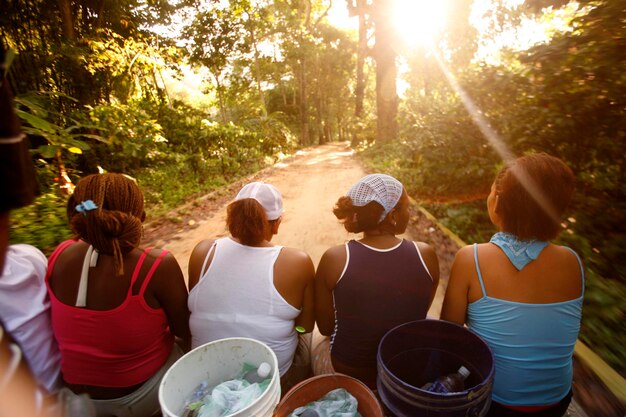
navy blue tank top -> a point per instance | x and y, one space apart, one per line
378 290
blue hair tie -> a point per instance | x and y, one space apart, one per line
86 206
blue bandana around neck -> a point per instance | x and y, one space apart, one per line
519 252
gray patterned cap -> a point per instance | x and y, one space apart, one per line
382 188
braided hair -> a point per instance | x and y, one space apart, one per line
115 226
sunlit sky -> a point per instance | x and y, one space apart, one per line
417 20
420 21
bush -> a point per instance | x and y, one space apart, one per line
42 224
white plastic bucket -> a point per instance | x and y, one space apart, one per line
217 362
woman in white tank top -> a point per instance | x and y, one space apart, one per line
244 286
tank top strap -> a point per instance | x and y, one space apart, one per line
55 254
582 270
480 276
345 265
206 259
153 268
90 260
135 275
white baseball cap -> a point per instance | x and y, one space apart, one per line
381 188
267 195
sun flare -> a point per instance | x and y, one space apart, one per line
419 21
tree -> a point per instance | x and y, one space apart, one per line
215 37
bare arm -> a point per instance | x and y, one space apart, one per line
196 260
432 263
171 293
456 299
326 277
294 273
306 318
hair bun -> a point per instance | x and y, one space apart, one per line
125 228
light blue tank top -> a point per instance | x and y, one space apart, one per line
532 344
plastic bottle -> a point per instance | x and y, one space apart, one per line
450 383
259 374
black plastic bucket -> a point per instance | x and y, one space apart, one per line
418 352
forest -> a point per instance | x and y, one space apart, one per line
188 95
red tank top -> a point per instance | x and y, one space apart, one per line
121 347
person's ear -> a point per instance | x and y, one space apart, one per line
495 215
275 225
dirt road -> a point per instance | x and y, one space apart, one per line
311 182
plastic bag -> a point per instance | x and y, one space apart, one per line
230 397
337 403
225 398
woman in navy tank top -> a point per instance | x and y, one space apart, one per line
368 286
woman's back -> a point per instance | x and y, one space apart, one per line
378 290
554 276
105 290
236 297
115 338
529 324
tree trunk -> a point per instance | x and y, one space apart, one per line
67 20
257 70
220 97
65 183
360 61
304 113
304 107
385 57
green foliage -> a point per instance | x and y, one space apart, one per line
175 179
60 132
603 317
468 220
274 136
42 224
132 133
442 156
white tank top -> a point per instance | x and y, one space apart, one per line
236 297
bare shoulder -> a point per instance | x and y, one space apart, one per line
564 252
296 262
331 265
430 258
203 247
565 259
466 253
196 260
168 262
295 255
425 248
335 254
463 267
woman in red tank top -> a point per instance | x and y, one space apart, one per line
115 308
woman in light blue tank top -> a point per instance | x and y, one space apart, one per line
522 294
